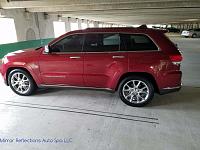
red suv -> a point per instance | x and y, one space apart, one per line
136 62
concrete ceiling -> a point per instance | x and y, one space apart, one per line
127 12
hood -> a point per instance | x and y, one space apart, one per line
25 52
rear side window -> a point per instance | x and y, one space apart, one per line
136 42
105 42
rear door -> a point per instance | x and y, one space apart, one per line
103 62
198 32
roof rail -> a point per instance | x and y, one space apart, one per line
143 26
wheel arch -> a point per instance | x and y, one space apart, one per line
194 35
140 74
21 68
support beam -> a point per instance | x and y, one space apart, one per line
115 11
99 5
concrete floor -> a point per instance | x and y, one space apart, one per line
90 119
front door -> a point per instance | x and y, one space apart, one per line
64 64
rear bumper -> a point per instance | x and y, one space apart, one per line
186 34
169 90
171 82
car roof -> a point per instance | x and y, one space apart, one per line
141 29
115 29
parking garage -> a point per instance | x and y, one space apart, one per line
77 118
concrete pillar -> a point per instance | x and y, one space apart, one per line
197 26
190 25
79 23
87 21
67 24
96 25
182 26
187 26
100 24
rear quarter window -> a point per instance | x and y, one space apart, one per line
137 42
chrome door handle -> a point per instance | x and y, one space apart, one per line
75 57
118 57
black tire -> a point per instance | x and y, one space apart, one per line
186 36
194 35
136 79
32 85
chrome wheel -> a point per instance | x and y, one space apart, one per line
135 91
20 83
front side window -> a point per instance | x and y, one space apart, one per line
136 42
72 43
106 42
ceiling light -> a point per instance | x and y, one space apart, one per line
191 20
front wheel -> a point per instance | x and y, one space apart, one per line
136 91
21 82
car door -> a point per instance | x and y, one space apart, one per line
103 62
198 32
64 63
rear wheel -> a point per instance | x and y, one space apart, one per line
136 91
21 82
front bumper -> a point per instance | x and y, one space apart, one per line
2 73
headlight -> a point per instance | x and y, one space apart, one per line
4 60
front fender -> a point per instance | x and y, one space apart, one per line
31 68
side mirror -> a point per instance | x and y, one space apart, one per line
46 49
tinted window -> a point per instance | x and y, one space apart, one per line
71 43
197 30
101 42
136 42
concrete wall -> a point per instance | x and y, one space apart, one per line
23 22
39 24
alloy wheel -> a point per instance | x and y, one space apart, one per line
135 91
20 82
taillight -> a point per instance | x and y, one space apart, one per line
176 59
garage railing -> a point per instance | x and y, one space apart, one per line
11 47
